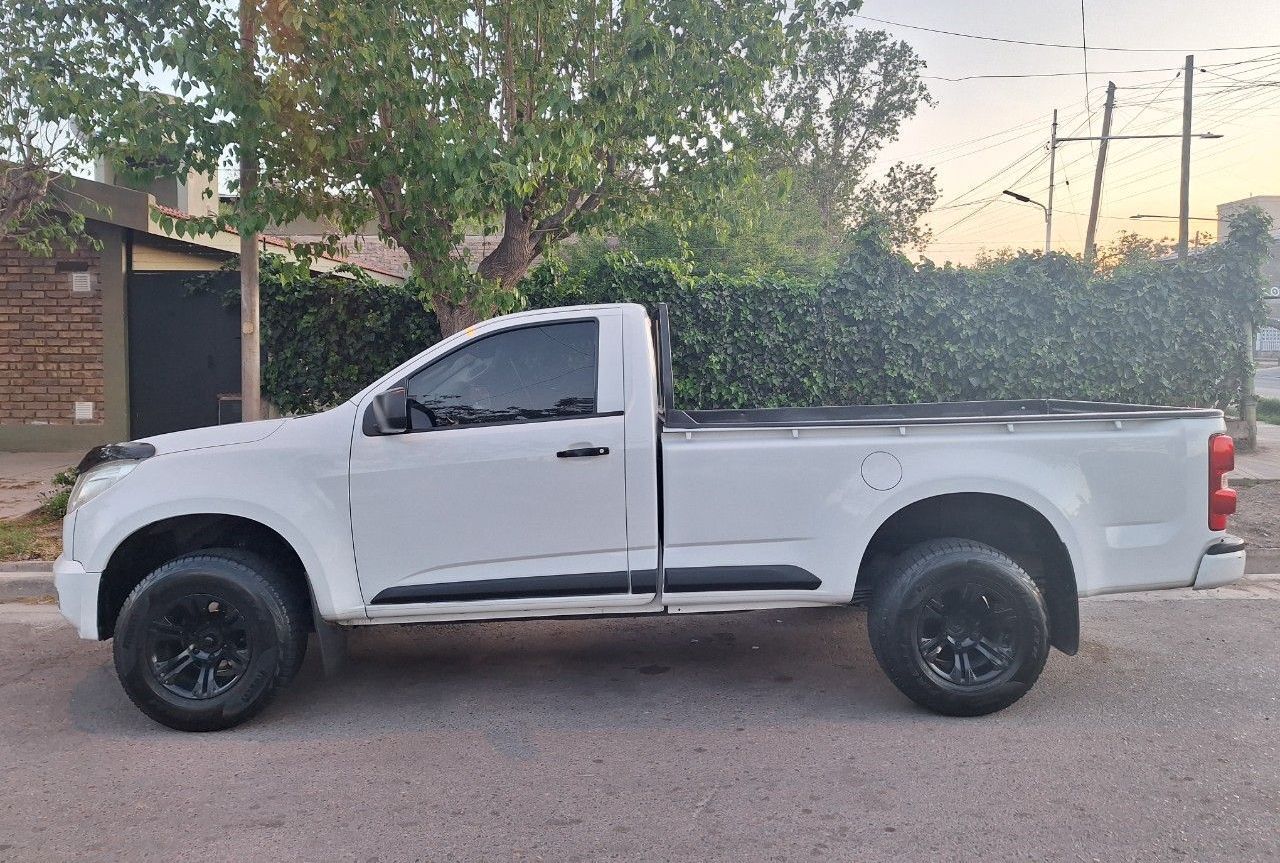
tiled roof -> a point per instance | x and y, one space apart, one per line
394 263
371 253
386 257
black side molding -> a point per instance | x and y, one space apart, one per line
644 581
692 579
133 450
533 587
1227 545
681 580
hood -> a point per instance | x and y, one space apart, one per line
202 438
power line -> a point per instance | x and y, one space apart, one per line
1255 83
1021 128
1224 105
1059 44
1085 73
994 198
959 198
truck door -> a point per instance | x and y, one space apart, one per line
509 486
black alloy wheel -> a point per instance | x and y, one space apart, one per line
199 647
959 627
966 634
208 639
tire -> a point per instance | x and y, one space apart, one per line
207 640
959 627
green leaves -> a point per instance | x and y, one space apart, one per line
326 337
881 330
876 330
541 117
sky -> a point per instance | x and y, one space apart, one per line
988 135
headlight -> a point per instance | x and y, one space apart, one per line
95 481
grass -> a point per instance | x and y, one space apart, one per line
54 504
37 536
1269 410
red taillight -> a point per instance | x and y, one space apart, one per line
1222 500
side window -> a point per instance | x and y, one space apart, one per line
522 374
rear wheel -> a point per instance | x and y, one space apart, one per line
207 640
959 627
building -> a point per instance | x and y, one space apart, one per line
1269 204
1268 338
109 344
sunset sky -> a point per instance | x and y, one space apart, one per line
988 135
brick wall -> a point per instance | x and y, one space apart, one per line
50 338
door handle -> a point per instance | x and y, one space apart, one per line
583 452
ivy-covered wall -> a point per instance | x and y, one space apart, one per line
883 330
878 330
324 338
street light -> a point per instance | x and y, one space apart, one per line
1173 218
1047 217
1142 216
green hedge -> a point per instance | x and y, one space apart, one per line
882 330
878 330
326 337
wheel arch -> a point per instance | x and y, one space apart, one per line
156 542
1014 526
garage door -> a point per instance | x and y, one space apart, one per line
184 351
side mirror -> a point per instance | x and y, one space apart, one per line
390 411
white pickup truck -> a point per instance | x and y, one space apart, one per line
535 465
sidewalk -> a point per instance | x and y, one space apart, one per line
1264 462
25 476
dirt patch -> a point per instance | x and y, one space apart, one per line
35 536
1257 517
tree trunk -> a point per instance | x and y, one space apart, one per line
453 318
506 265
510 259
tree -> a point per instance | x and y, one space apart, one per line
807 173
1128 248
846 97
37 212
755 225
540 118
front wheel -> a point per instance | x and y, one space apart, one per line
207 640
959 627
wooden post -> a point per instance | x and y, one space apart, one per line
1184 189
1092 233
1048 210
250 347
1249 398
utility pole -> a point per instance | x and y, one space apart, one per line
250 346
1184 190
1097 173
1048 210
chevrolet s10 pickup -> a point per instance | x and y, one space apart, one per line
536 465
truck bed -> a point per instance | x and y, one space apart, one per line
1012 410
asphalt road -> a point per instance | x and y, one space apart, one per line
764 736
1267 382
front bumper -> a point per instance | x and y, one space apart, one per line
77 596
1221 564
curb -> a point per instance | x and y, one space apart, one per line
27 566
1261 560
26 585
